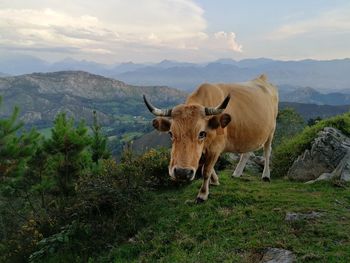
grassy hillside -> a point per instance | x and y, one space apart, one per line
241 218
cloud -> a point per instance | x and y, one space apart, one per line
230 39
113 28
330 22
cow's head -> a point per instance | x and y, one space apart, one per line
189 127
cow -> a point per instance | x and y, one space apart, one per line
217 118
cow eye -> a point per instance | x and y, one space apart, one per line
202 135
170 134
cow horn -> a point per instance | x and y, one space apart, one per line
156 111
219 109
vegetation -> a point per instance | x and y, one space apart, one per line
14 150
99 142
242 218
285 153
289 123
63 198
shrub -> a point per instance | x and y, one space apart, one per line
289 123
104 210
286 153
154 165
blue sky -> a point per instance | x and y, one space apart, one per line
184 30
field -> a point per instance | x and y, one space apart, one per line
241 218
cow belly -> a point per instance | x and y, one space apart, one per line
247 140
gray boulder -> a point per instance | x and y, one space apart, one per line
329 149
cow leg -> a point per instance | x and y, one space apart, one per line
241 164
267 152
207 173
214 179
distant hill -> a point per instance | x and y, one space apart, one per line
3 75
153 139
41 96
326 76
309 95
308 111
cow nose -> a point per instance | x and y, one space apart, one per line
183 174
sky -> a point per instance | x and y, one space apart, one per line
113 31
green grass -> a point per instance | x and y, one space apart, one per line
241 218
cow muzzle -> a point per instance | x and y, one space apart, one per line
183 174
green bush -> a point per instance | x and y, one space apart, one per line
154 165
104 210
289 123
285 154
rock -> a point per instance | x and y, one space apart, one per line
292 217
345 173
327 150
341 172
278 255
255 163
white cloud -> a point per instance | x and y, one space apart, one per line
113 27
230 39
330 22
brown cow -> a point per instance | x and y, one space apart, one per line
244 121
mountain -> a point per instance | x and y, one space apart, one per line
22 64
326 76
312 96
41 96
311 111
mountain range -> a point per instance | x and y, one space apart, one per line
326 76
311 96
41 96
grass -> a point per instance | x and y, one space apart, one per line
241 218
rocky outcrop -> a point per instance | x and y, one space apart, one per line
342 172
328 150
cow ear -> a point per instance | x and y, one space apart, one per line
225 120
161 124
216 121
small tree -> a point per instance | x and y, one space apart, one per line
314 121
99 142
67 147
16 146
289 123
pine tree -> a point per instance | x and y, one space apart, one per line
67 146
99 142
16 145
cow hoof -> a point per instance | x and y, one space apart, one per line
199 200
266 179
